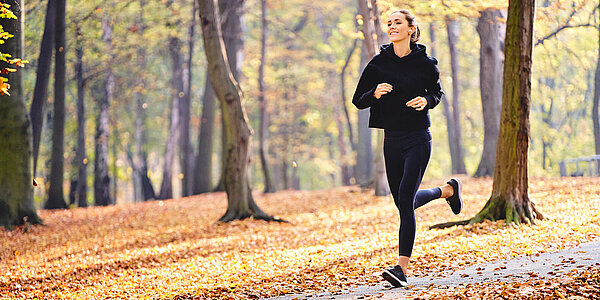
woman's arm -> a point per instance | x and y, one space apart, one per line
434 89
364 96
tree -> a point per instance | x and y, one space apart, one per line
364 155
16 192
240 204
187 151
80 157
101 178
456 146
142 184
510 199
596 101
41 80
262 132
55 194
491 29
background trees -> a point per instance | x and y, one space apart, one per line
308 137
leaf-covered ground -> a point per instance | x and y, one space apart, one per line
335 239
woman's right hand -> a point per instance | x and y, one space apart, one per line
382 89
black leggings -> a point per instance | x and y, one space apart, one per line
406 157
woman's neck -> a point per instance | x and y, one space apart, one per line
402 48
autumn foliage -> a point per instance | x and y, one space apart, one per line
336 239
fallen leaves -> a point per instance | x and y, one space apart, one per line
337 238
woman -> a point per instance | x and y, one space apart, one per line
400 85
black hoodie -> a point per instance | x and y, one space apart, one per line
415 74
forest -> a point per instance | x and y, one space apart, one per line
137 118
128 127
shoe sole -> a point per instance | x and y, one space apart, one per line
395 281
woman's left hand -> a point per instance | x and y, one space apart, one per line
418 103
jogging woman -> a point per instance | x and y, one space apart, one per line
400 85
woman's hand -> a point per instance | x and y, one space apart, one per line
382 89
418 103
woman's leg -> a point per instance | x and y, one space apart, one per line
415 163
425 196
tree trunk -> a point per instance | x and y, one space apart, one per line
16 192
56 199
596 103
364 153
145 190
80 156
187 165
231 30
41 80
348 176
491 28
456 148
510 198
101 178
240 203
262 132
343 98
203 170
364 149
166 187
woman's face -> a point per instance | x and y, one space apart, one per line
397 27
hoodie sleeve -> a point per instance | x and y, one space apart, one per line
364 95
434 89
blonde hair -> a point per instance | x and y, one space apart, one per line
416 35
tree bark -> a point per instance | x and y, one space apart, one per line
348 175
491 29
596 103
240 203
203 170
101 178
364 152
56 199
41 80
187 151
262 132
510 197
145 190
16 192
364 159
80 156
166 187
343 93
456 148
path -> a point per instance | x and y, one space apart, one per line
544 265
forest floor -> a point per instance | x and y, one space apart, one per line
336 239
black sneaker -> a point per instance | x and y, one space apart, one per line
395 276
455 201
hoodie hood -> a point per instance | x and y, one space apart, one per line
417 50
